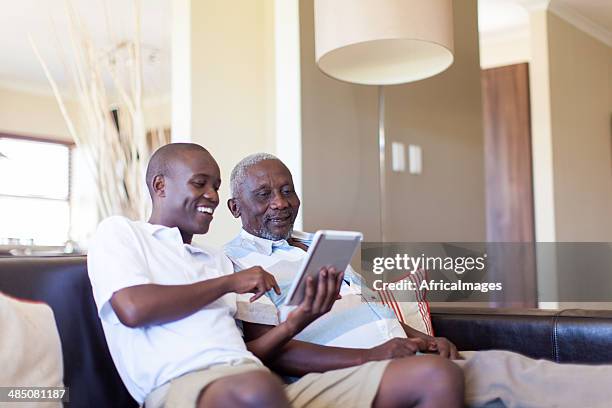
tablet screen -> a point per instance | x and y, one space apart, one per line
329 248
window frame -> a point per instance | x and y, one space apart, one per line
53 141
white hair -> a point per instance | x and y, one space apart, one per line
239 172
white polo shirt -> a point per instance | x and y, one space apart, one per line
125 253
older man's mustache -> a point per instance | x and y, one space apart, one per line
279 216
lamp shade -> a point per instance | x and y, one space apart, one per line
383 42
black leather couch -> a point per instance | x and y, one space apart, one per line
566 336
575 336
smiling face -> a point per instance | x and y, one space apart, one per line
267 203
188 194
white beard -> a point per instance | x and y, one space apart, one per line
262 233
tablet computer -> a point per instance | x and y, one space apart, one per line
329 248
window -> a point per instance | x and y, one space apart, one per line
34 191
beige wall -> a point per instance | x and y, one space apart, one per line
581 108
32 114
232 92
441 114
37 114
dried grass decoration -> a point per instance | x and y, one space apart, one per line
117 155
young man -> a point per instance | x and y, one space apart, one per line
264 199
167 308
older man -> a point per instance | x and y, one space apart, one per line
265 200
263 197
167 307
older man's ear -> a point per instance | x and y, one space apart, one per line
234 208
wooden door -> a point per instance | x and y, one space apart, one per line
509 188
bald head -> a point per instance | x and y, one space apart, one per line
164 158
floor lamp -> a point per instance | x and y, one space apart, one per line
383 42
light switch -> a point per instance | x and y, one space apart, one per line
415 159
398 157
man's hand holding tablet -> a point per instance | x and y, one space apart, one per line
314 303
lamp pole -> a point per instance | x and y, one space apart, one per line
382 161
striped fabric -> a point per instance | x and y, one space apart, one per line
361 319
412 312
405 310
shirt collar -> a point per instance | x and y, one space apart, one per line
173 234
263 245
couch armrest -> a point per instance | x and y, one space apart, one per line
567 336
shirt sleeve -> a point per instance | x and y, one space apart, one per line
261 311
115 260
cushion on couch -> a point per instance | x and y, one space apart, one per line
30 348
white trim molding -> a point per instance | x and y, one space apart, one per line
181 71
535 5
581 22
509 35
288 120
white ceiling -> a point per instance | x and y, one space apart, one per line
108 21
497 17
111 21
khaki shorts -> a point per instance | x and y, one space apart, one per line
348 387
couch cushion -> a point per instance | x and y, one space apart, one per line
524 331
63 284
583 336
31 355
566 336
